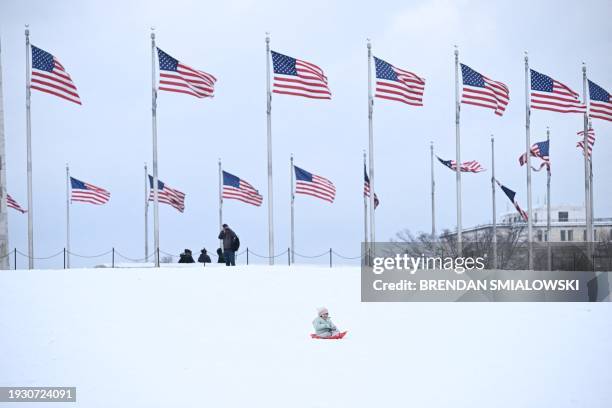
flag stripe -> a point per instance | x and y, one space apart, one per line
49 76
299 78
10 202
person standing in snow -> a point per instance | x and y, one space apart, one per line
230 243
204 258
323 325
220 258
186 257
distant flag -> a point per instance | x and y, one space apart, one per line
313 185
466 167
167 195
300 78
484 92
510 194
175 76
601 102
548 94
237 189
366 187
590 140
13 204
540 150
49 76
397 84
87 193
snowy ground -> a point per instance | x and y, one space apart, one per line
217 337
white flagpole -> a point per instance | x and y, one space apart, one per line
68 190
458 155
548 248
269 138
494 215
154 125
587 171
292 198
365 217
528 167
220 202
29 152
4 238
591 202
371 151
433 193
146 213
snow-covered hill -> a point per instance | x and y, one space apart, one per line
219 337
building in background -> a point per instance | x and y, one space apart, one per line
567 224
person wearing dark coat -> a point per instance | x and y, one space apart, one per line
186 257
220 259
229 253
204 258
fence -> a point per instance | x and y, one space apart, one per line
117 257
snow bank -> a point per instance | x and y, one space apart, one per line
218 337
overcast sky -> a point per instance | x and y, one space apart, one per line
105 46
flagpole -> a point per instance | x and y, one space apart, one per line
365 216
4 238
458 154
371 151
433 193
292 199
269 139
591 202
494 239
146 213
29 152
154 125
528 167
548 248
68 216
220 201
587 171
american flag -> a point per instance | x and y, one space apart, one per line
397 84
296 77
87 193
548 94
366 187
313 185
238 189
590 140
49 76
14 204
541 150
167 195
601 102
466 167
484 92
510 194
177 77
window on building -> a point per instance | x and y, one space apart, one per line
546 236
539 235
584 235
562 235
570 235
563 216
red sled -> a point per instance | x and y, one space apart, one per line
335 337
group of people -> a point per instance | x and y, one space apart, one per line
227 255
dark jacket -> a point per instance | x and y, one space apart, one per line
204 258
220 255
186 258
227 236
